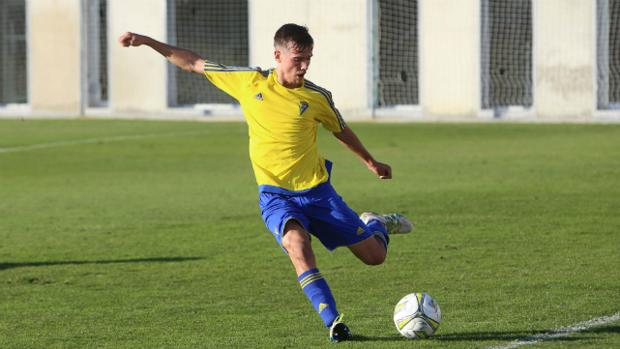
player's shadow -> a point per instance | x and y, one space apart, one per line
5 265
389 338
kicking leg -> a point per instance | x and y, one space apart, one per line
373 250
393 223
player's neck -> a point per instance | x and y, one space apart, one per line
285 83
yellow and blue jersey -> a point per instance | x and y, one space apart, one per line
282 125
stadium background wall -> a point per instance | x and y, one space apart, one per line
525 60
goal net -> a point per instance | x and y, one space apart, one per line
506 53
13 71
218 31
96 12
608 42
397 56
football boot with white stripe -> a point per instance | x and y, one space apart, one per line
395 223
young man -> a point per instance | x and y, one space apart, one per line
283 110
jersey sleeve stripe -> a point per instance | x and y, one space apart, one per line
210 66
228 70
330 101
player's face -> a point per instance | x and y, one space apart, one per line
292 64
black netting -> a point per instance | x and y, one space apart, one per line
398 52
215 29
13 52
506 53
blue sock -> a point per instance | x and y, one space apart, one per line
319 294
378 229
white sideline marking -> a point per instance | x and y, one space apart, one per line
92 141
560 332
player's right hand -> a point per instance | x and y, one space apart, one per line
131 39
383 171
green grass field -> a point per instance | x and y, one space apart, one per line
123 234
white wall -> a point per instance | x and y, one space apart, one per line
564 59
339 29
54 76
138 79
564 55
449 57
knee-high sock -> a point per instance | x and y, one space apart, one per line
319 294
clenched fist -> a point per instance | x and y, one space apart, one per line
132 39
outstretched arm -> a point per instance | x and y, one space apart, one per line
182 58
349 138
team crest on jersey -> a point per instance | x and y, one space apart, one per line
303 106
259 96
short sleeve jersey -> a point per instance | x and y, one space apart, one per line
282 125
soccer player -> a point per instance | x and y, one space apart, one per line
283 110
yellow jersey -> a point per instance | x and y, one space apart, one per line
282 125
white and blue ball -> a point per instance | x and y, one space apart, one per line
417 315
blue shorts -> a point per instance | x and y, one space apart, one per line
320 210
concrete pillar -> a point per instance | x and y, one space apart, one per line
564 59
449 35
54 76
340 31
138 75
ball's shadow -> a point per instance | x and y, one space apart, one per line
390 338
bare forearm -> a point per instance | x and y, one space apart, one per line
182 58
348 138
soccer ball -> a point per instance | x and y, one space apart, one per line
417 315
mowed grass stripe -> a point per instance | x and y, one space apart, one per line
101 140
158 242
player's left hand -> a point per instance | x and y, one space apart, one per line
384 171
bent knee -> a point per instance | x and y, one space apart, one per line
374 259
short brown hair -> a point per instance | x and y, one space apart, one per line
295 33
